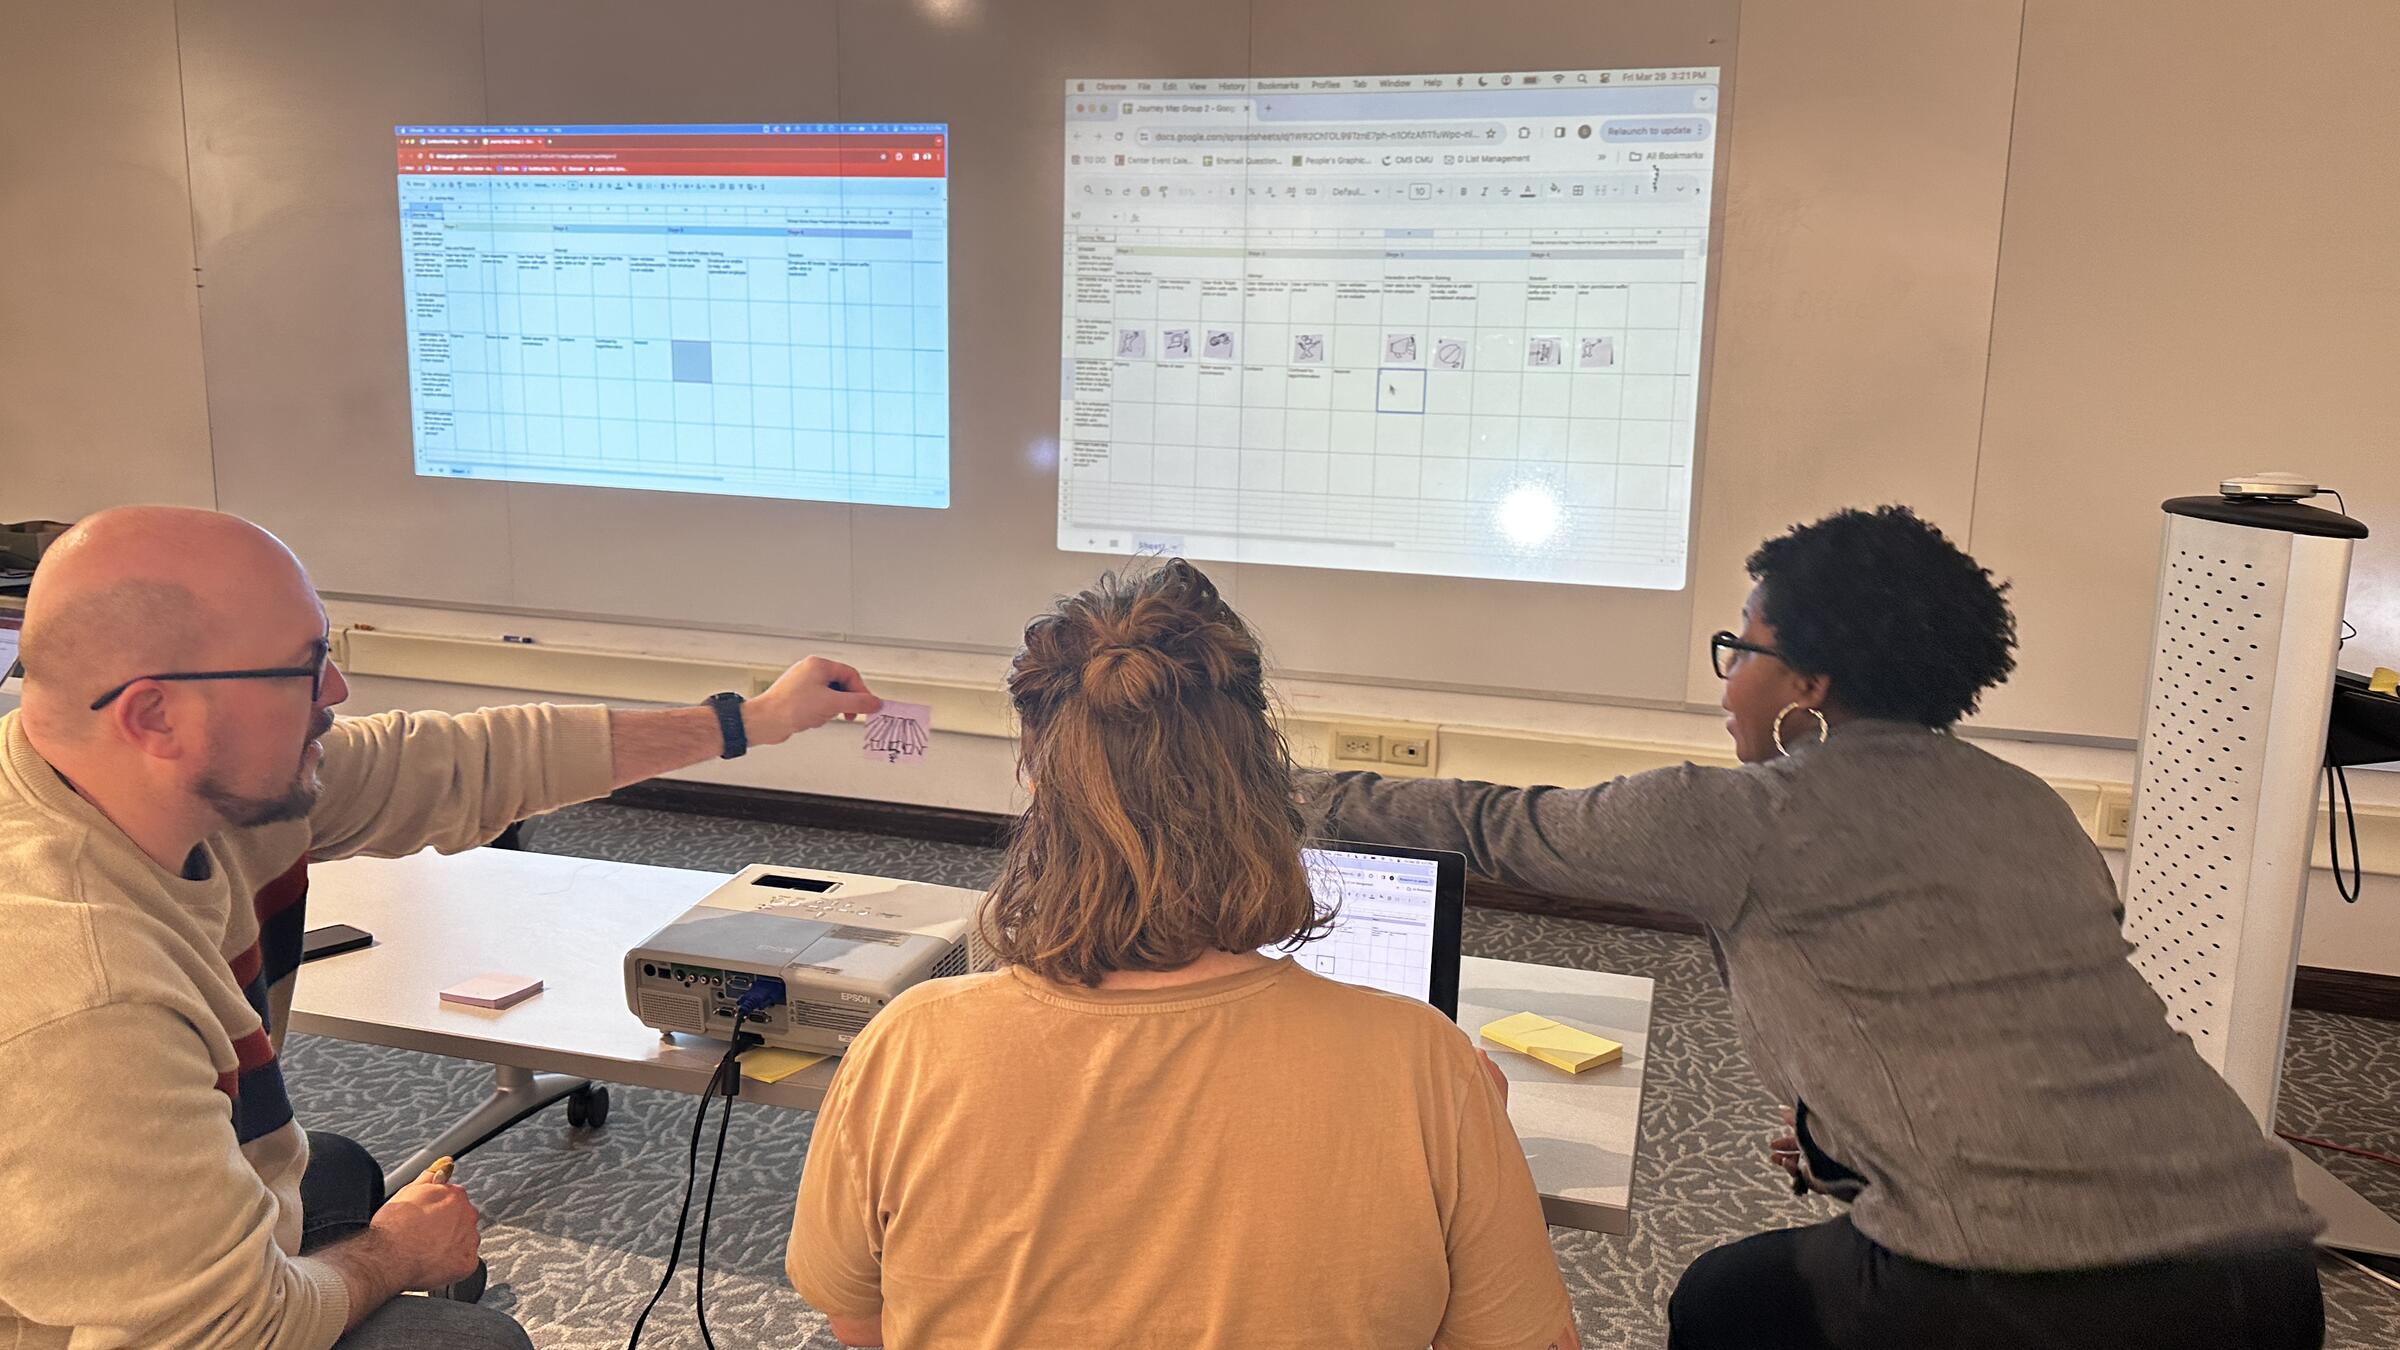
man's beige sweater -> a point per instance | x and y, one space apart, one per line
149 1163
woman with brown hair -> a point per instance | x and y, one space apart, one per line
1142 1130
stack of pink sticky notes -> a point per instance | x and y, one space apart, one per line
492 991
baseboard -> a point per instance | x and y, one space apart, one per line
2358 993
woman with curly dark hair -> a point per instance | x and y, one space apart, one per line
1923 953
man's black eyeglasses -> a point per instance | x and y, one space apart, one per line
1723 642
314 673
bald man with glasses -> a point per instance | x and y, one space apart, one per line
174 765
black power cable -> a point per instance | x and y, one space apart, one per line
708 1205
726 1080
2351 881
691 1181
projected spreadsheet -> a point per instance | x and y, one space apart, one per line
1433 324
749 309
1383 930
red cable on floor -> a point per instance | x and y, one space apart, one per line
2341 1148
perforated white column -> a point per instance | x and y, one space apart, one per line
2225 792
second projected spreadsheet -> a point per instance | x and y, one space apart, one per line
1425 324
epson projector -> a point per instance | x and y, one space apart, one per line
843 946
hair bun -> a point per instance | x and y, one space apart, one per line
1128 674
1141 639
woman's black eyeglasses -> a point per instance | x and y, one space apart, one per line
1723 642
314 673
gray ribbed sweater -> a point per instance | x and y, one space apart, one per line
1923 945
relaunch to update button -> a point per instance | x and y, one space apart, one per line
1656 129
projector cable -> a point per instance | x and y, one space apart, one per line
726 1080
708 1204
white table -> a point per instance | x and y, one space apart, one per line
569 922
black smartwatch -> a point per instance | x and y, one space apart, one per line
728 708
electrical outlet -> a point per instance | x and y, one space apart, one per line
2116 818
1363 747
1403 748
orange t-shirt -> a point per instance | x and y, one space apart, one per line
1268 1158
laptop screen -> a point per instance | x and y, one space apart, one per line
10 623
1396 922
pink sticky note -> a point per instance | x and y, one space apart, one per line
492 991
899 733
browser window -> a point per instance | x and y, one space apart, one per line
750 309
1383 930
1442 324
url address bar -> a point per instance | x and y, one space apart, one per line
1443 133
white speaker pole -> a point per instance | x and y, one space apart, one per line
2250 593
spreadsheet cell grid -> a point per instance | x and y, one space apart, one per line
775 325
1404 324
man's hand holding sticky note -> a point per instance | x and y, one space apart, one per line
1554 1044
899 733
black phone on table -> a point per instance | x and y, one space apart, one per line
332 939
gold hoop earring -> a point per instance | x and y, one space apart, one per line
1823 730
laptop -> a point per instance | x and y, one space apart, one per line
1397 915
12 671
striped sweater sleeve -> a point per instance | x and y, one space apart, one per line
157 1231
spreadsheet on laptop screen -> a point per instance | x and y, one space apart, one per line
1383 934
1439 324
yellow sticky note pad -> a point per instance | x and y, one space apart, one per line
1559 1046
768 1065
2385 681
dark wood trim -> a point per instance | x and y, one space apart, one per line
2358 993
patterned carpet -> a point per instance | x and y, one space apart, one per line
578 1223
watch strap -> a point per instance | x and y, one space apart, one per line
728 708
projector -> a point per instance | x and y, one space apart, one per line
840 945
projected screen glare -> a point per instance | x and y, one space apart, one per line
748 309
1438 324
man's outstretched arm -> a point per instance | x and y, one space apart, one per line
398 782
646 743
